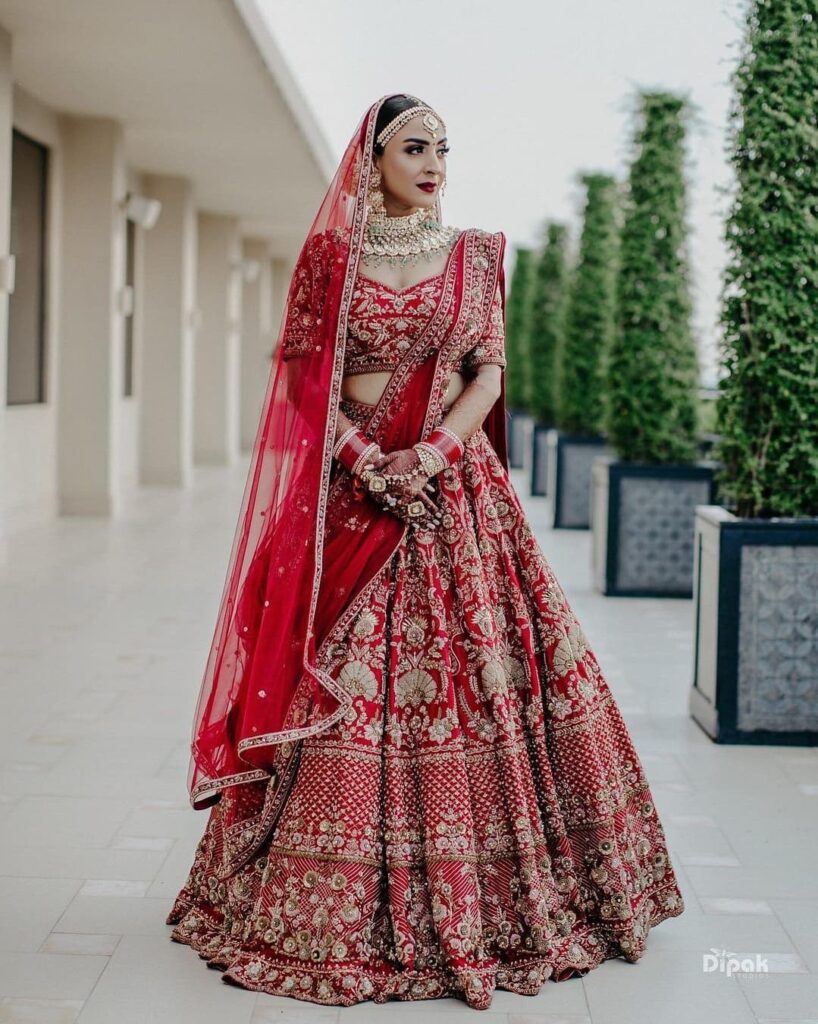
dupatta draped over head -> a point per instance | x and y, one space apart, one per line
274 612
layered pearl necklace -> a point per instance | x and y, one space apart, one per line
404 240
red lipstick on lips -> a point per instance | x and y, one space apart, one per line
427 186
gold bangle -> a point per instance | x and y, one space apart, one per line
431 459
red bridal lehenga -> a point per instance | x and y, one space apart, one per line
419 781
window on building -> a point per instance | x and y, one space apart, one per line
26 333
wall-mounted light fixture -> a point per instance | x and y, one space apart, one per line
141 210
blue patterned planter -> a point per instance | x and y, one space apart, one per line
755 677
539 460
643 524
519 423
570 459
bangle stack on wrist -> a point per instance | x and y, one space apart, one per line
353 450
442 448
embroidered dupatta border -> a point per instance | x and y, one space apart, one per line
480 252
480 262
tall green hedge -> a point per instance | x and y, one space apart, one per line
767 410
547 317
652 371
590 317
518 320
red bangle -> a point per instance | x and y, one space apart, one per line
352 449
445 443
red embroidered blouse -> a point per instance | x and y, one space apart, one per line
384 321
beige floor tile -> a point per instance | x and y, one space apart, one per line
116 915
49 975
29 908
164 983
93 770
70 821
39 1011
74 944
782 996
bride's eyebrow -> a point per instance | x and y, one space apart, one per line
425 142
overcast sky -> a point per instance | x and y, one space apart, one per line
533 93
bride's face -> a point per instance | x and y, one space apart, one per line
411 158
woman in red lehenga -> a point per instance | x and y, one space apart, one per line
420 784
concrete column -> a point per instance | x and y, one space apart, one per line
216 393
6 114
256 339
93 272
168 326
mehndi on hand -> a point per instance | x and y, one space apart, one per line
404 490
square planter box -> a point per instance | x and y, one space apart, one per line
755 676
520 425
539 460
570 458
643 525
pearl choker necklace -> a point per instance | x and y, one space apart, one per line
403 240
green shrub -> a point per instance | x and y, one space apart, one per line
590 317
768 406
547 317
518 322
652 372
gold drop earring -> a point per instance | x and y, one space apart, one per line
377 210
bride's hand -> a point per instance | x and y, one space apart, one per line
402 461
398 495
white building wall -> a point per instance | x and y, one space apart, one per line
256 339
90 373
6 108
168 335
216 374
86 445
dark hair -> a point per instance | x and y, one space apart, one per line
391 108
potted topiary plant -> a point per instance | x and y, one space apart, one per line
545 339
645 496
755 677
518 319
576 439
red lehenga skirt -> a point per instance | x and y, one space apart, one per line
479 820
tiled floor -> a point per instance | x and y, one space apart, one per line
104 628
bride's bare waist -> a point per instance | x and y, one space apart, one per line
368 387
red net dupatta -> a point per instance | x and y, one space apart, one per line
264 643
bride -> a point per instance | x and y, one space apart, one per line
418 779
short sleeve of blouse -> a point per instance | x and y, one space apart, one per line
491 346
305 299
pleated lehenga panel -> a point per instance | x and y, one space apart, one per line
479 820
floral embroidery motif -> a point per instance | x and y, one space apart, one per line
491 347
307 291
383 324
478 818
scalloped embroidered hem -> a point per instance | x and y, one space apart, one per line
346 984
